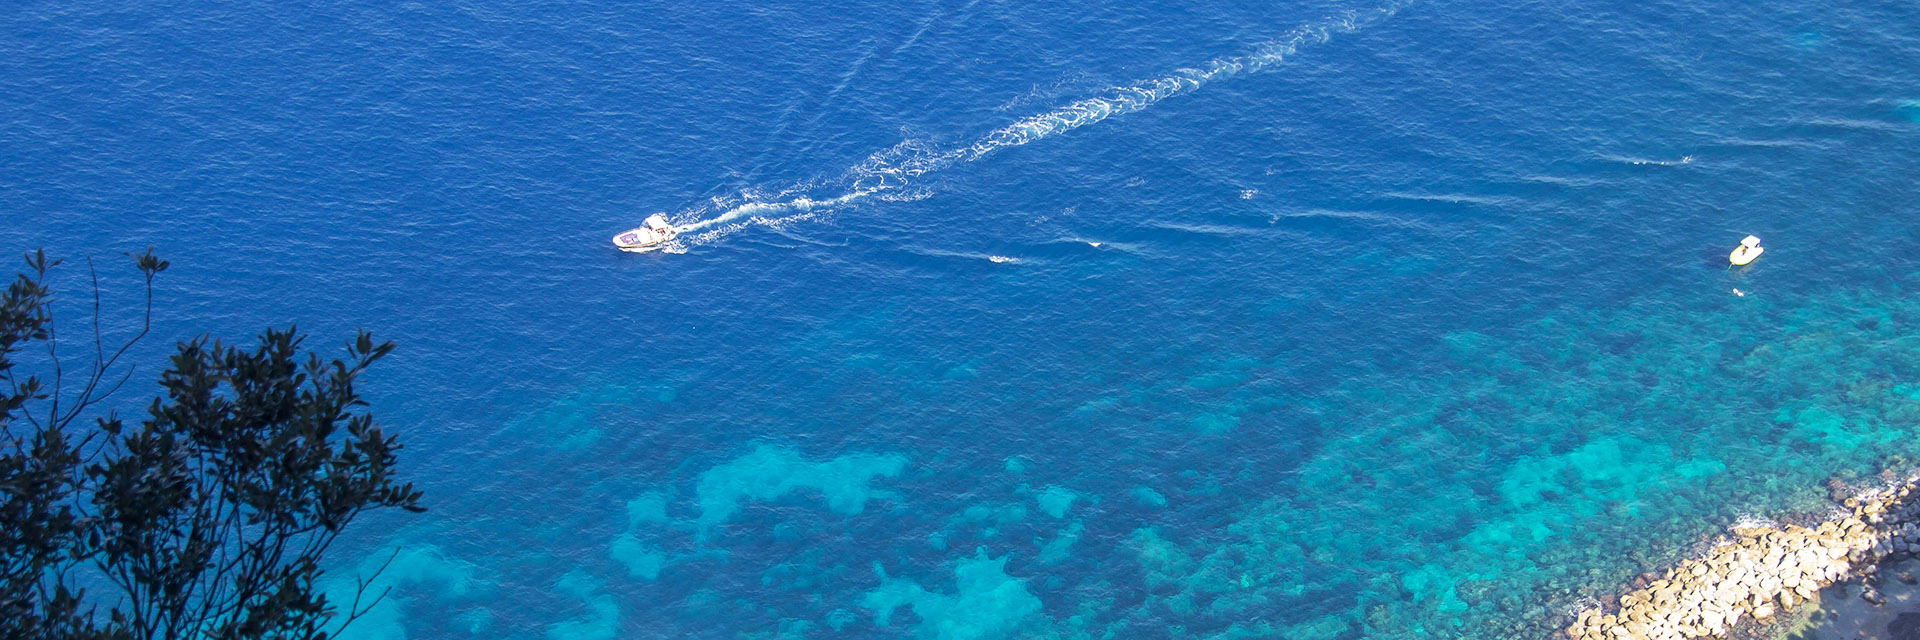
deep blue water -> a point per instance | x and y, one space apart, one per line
1306 320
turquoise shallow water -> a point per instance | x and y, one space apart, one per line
1315 320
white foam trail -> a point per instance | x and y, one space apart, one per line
1146 93
897 167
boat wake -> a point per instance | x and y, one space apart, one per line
897 167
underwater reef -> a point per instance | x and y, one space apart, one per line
1511 482
1538 471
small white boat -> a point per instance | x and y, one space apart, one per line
652 235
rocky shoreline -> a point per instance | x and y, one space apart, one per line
1761 571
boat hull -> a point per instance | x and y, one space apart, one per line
643 248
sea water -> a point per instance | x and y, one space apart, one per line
1310 320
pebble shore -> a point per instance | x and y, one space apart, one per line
1762 571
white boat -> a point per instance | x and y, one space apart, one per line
652 235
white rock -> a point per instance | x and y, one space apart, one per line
1714 622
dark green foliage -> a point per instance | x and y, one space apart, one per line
208 519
